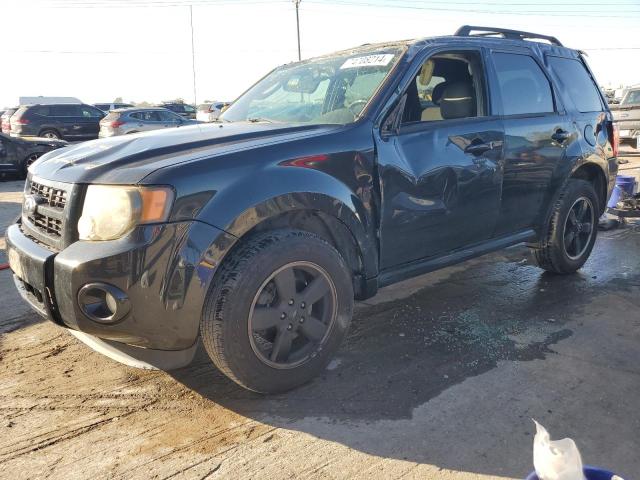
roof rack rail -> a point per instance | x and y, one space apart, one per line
465 31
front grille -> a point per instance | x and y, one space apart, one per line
49 225
50 212
50 221
56 197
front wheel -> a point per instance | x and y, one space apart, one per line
572 231
277 311
26 163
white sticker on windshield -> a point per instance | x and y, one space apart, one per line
378 60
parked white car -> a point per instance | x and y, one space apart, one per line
209 112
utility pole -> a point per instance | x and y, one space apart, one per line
193 56
297 3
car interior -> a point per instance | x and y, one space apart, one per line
448 86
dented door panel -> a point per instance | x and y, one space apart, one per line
440 188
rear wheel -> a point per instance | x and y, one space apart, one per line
277 311
50 133
572 230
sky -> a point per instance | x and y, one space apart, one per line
140 50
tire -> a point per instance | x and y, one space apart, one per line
50 133
251 281
565 246
24 167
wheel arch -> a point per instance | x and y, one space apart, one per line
53 129
594 174
326 216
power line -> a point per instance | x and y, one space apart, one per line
565 13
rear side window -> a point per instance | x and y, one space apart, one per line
577 82
523 86
65 110
40 110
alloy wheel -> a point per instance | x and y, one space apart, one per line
292 315
578 228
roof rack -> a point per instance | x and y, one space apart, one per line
465 31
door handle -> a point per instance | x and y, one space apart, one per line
560 135
479 148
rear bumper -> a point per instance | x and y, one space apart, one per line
164 270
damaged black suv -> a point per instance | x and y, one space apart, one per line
327 179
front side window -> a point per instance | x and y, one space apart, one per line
578 83
168 116
523 86
88 112
328 90
448 86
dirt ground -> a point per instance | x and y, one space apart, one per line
439 378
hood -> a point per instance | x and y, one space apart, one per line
128 159
49 142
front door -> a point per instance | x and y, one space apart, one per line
440 171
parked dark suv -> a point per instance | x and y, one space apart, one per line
323 182
58 121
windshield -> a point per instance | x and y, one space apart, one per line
632 97
331 90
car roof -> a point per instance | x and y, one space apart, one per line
138 109
463 39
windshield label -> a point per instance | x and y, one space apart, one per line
378 60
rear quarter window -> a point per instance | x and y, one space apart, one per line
42 110
577 82
524 87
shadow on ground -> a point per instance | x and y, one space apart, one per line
402 354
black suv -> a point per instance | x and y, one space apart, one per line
326 180
57 121
17 154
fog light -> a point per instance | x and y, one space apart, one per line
103 303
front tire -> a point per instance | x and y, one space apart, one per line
277 311
572 231
24 168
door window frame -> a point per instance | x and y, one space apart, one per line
558 106
393 114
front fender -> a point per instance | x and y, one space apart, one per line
276 190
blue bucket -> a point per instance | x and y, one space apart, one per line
616 196
590 473
627 183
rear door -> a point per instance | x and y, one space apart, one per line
588 109
440 171
64 118
537 132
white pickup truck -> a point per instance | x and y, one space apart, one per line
627 114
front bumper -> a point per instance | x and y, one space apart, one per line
164 270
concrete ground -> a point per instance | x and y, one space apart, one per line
439 378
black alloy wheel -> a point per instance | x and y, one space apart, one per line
292 315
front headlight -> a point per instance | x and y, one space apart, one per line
111 211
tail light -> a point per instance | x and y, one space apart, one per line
614 138
21 121
116 123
